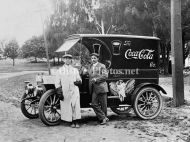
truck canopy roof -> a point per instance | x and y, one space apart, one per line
73 39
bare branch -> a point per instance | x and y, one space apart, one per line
108 29
98 29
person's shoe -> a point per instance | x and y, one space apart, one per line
77 125
103 122
73 125
107 119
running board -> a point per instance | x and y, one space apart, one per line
113 97
123 105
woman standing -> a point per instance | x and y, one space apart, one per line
68 78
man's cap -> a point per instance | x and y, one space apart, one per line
67 56
95 54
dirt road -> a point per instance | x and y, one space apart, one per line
15 127
13 74
172 125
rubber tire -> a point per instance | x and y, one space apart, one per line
41 109
136 100
115 110
24 111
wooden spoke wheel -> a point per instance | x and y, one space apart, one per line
29 106
49 108
148 103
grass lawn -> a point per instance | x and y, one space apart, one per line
12 89
6 66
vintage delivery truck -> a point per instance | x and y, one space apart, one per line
133 76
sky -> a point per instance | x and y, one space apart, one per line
22 19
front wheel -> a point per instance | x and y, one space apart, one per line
148 103
49 108
29 106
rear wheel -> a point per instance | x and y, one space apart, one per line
29 106
148 103
122 109
49 108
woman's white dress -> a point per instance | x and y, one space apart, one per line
70 106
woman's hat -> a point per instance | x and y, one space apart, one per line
67 56
95 54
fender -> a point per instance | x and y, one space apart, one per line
47 87
142 85
34 97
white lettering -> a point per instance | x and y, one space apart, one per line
145 54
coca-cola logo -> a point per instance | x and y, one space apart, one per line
144 54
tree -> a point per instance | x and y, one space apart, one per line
100 13
11 50
139 17
2 47
68 18
150 18
34 47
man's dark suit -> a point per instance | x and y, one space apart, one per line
98 89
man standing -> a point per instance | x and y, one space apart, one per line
98 88
68 78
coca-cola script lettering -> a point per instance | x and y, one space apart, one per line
144 54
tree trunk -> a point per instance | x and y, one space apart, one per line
102 26
36 60
165 62
13 61
58 60
54 61
169 63
183 47
102 22
163 55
